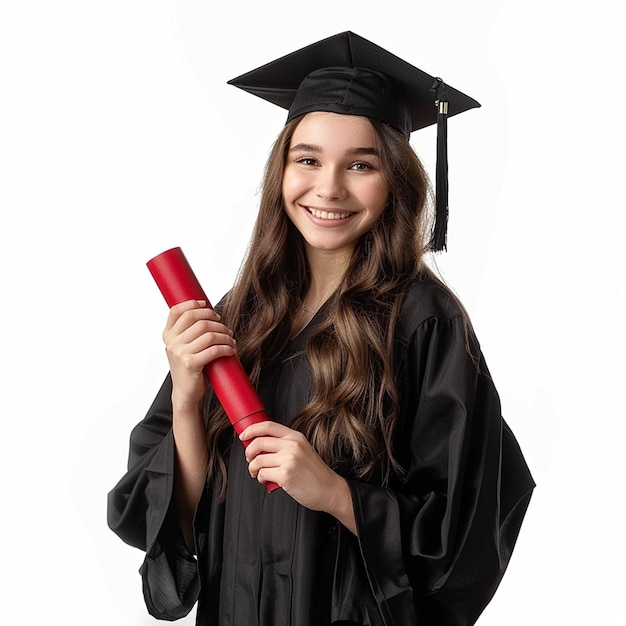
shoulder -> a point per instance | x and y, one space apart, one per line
433 323
428 299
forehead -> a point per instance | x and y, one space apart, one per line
335 130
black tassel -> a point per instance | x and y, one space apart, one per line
440 229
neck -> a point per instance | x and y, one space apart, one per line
326 272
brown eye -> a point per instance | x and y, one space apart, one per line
361 167
306 161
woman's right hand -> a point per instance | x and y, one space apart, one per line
193 337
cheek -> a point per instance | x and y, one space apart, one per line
291 191
377 198
292 185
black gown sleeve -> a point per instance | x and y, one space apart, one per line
140 510
432 548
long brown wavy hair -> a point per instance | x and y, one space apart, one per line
352 411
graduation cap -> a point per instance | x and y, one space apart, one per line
348 74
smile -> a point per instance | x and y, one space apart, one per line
328 215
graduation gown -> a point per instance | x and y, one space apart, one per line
431 547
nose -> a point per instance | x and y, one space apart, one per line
330 184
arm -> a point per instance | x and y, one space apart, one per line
153 504
432 546
141 512
193 337
191 464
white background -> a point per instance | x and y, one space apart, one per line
119 138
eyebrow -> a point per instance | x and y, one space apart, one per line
310 147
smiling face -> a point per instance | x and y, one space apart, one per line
333 186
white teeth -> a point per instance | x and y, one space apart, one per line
325 215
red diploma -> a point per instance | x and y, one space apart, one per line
178 283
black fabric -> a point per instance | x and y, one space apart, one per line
431 548
279 82
351 91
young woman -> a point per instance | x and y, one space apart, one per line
402 489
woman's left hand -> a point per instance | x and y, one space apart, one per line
279 454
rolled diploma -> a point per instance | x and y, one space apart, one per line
177 282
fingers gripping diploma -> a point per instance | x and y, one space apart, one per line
193 337
277 453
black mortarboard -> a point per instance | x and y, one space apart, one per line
348 74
